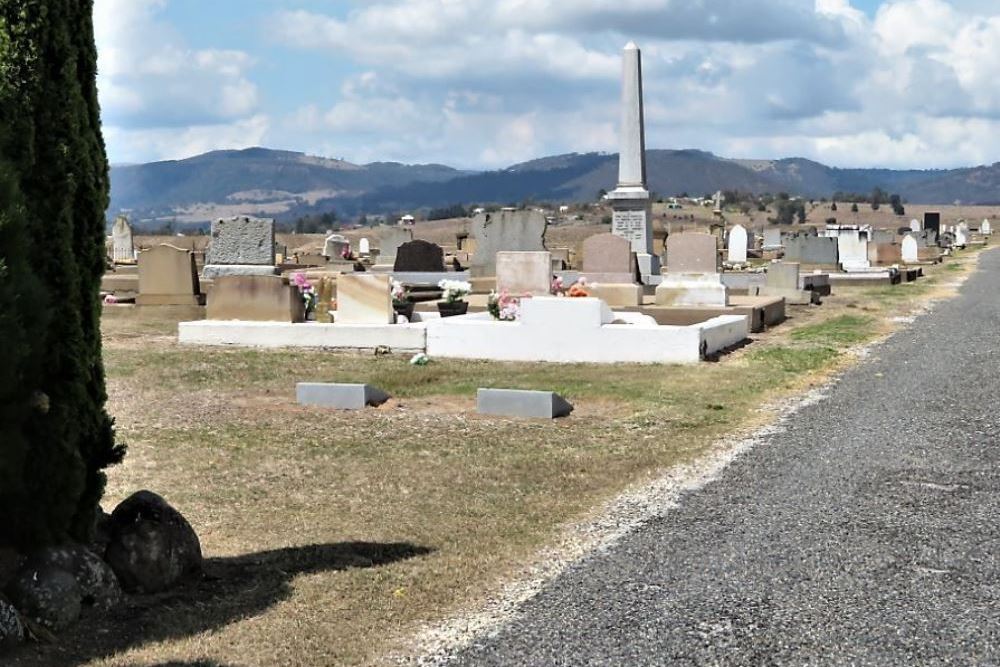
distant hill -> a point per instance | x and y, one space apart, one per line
283 184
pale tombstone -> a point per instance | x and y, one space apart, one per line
852 247
364 299
167 277
961 234
335 246
123 245
772 238
986 228
365 247
915 226
910 249
737 245
522 273
692 252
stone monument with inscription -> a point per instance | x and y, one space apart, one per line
631 204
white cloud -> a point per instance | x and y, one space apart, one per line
160 94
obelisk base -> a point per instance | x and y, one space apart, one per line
632 219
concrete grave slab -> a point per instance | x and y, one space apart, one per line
340 396
518 403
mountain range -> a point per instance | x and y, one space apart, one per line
285 185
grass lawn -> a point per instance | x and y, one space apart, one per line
331 537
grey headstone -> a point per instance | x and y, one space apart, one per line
513 231
389 240
518 403
123 245
812 250
339 396
242 240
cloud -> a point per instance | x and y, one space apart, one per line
153 85
483 83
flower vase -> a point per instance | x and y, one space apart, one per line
452 309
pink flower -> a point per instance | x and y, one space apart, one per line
110 300
300 281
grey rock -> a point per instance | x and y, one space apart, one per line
48 595
11 628
98 584
152 548
518 403
340 396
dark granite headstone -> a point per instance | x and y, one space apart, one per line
419 256
932 221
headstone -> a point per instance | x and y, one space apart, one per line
782 281
335 246
693 277
516 403
255 299
915 225
167 277
986 228
932 221
910 250
737 245
609 258
962 235
365 247
339 396
631 204
389 240
241 246
812 250
692 252
783 275
364 299
772 238
419 256
522 273
504 231
717 203
122 243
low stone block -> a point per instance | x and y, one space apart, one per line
692 289
340 396
517 403
221 270
618 295
255 299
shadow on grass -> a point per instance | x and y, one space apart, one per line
230 590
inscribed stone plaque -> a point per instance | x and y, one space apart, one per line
242 240
692 252
633 225
419 256
523 273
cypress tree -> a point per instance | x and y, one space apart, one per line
60 439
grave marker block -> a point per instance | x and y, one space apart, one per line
518 403
339 396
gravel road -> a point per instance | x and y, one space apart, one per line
866 533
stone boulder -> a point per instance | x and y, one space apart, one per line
97 582
11 629
47 595
152 547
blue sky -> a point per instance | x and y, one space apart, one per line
488 83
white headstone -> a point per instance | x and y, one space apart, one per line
365 247
910 250
335 246
717 201
986 228
737 245
915 225
123 246
853 249
962 234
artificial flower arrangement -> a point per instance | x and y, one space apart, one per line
307 292
347 254
454 290
503 306
401 302
577 289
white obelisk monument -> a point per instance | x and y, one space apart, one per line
630 201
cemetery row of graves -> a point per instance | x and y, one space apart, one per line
353 529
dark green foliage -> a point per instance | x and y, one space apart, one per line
897 205
48 106
787 212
